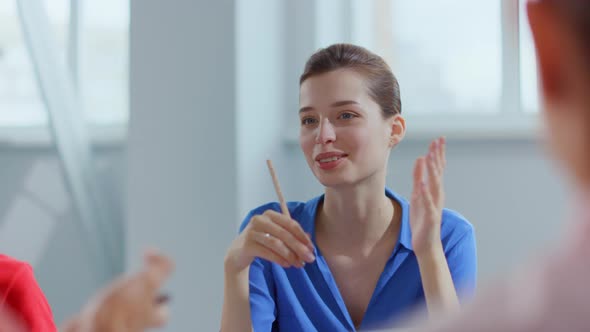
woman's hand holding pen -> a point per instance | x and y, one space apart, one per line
274 237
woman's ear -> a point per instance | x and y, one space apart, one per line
398 130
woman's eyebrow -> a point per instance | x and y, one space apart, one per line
344 102
335 104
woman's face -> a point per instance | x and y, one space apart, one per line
343 135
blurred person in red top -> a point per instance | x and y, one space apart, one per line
21 295
130 303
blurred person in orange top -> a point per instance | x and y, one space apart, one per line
552 293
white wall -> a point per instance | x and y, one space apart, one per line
260 96
182 169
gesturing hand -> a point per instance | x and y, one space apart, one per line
428 199
130 303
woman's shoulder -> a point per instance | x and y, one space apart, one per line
455 226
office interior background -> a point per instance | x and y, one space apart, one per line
129 124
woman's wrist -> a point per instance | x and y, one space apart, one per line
236 306
234 279
437 281
430 254
230 266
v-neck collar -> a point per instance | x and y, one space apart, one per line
397 257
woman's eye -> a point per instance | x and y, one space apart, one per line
347 116
308 121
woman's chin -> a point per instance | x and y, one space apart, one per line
333 180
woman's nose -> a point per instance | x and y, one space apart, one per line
326 133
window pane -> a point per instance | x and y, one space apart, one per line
446 54
58 12
104 61
20 103
528 64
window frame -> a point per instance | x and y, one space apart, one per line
39 134
511 121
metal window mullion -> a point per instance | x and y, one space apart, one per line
511 96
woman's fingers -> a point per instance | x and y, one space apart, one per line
432 166
437 149
290 225
269 224
271 256
435 153
425 192
426 197
278 238
434 183
274 250
435 164
442 152
418 173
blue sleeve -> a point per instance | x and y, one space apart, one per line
262 295
262 290
462 261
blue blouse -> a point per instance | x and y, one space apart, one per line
308 299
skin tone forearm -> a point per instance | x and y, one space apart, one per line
235 313
439 290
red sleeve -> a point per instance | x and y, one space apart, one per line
23 295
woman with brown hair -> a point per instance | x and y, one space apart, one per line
359 256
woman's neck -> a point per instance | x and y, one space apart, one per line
358 215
